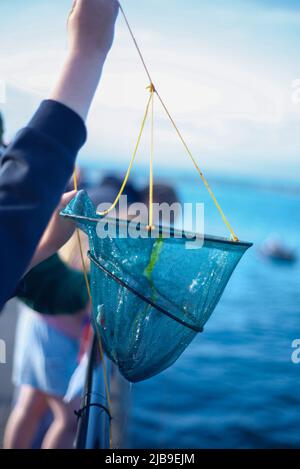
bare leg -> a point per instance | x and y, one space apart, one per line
25 418
61 433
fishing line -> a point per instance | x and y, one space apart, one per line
154 90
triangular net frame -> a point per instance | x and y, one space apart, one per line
151 295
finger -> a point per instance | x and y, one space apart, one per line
66 198
73 6
72 10
117 6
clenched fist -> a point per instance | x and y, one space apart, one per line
91 26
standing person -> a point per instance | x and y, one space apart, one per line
47 350
37 165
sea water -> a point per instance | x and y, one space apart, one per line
236 386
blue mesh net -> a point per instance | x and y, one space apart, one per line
151 296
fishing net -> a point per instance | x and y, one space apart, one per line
151 296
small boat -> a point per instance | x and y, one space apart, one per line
277 251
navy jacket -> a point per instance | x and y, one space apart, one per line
34 172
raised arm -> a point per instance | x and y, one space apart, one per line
91 31
37 165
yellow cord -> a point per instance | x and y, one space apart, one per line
153 90
136 44
75 179
151 179
105 378
106 212
225 220
151 184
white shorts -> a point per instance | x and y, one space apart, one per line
44 358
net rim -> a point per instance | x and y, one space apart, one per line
161 231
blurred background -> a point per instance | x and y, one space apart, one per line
230 74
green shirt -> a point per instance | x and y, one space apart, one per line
53 288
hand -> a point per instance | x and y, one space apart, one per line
91 26
57 233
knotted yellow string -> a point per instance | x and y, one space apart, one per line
152 91
210 191
151 178
106 212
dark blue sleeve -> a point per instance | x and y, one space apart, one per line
34 172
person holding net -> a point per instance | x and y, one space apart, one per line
37 165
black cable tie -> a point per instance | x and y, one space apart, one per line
79 412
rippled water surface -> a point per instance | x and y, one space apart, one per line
235 386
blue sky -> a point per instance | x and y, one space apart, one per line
225 68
